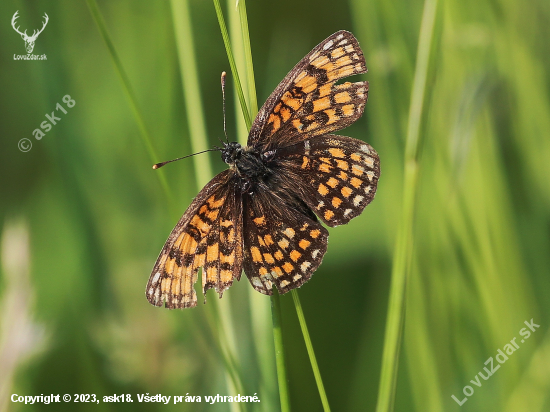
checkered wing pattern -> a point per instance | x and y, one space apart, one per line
208 235
283 242
260 215
308 102
336 175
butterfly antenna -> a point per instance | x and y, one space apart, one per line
159 165
223 95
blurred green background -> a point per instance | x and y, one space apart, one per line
83 216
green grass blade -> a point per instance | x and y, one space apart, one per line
259 307
310 352
404 244
275 302
237 47
191 92
128 90
221 323
251 84
279 350
232 64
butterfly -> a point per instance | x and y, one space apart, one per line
262 214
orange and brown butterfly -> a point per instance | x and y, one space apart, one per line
260 215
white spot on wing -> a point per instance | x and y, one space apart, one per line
328 45
364 148
370 174
315 253
297 277
284 283
289 233
155 278
257 282
357 200
347 212
357 168
369 161
304 266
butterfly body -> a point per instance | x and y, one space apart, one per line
262 215
249 165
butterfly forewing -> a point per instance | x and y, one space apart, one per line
208 235
307 102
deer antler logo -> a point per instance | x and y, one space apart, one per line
29 40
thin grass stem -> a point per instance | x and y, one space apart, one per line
405 237
232 64
250 82
275 301
220 323
279 351
259 307
310 351
128 90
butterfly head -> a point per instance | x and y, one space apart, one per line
231 152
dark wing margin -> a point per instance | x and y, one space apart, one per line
208 235
335 175
283 243
308 102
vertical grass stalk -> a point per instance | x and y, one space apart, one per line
232 64
405 237
275 301
221 323
259 307
279 351
310 351
250 82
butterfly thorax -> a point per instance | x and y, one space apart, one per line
249 164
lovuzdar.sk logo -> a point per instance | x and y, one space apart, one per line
29 40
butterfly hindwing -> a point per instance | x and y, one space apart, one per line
208 235
337 176
283 246
308 102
